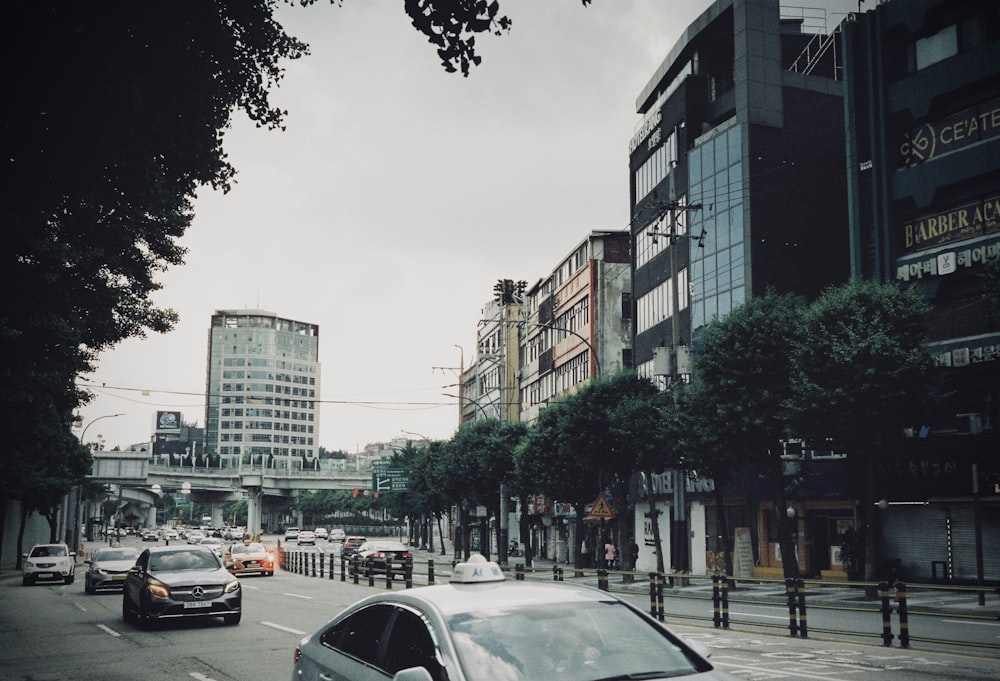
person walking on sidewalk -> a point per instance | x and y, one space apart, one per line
609 554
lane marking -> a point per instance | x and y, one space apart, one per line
749 669
281 628
982 624
79 606
108 630
305 598
200 676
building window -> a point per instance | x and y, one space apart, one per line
938 47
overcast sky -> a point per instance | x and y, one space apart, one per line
395 198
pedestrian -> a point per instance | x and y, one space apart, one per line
635 554
609 554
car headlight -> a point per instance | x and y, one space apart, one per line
232 586
159 589
29 564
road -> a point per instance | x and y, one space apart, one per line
57 632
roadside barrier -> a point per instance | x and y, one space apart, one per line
720 601
795 590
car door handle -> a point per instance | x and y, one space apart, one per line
326 677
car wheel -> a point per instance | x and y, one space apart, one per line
89 589
143 619
127 615
69 579
232 620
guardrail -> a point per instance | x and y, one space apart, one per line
885 617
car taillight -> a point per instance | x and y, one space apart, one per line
297 655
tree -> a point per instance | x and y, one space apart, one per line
112 125
864 375
743 394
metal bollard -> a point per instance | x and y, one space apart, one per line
602 580
313 561
371 575
321 561
725 602
883 590
904 618
388 573
800 589
659 597
355 568
408 573
519 572
560 574
555 573
716 602
793 626
343 568
430 572
652 594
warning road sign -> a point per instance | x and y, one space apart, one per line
601 508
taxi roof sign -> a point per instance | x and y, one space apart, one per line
476 570
601 508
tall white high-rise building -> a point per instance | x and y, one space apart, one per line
262 392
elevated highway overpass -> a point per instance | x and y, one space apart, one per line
138 483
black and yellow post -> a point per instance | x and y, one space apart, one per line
355 568
430 572
793 625
602 579
388 573
904 618
725 602
716 602
659 597
800 592
883 590
652 594
408 573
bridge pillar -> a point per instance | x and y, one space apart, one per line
254 498
151 516
217 519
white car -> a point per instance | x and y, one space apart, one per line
170 533
479 627
306 537
48 562
195 536
292 534
338 534
321 533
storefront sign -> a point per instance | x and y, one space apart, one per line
953 224
947 263
959 130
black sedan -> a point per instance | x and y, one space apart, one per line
376 556
180 581
108 568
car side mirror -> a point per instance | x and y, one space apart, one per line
413 674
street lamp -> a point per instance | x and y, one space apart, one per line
78 513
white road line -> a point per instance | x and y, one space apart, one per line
108 630
79 606
982 624
780 673
753 614
305 598
200 676
281 628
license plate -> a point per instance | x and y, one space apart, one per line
43 575
198 604
118 578
251 563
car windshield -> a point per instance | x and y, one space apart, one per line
115 554
183 560
247 548
567 642
48 551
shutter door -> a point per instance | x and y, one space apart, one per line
963 529
914 535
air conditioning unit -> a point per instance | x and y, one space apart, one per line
970 423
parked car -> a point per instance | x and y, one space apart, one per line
377 555
291 534
479 627
179 582
351 545
48 562
252 558
108 568
306 537
338 534
321 533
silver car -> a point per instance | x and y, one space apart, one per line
480 627
108 568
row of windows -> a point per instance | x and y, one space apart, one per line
573 320
298 452
227 412
571 266
655 168
654 237
658 304
259 388
572 372
238 374
277 401
266 425
540 391
271 363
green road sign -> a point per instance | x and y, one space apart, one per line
386 479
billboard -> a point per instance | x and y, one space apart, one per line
168 421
